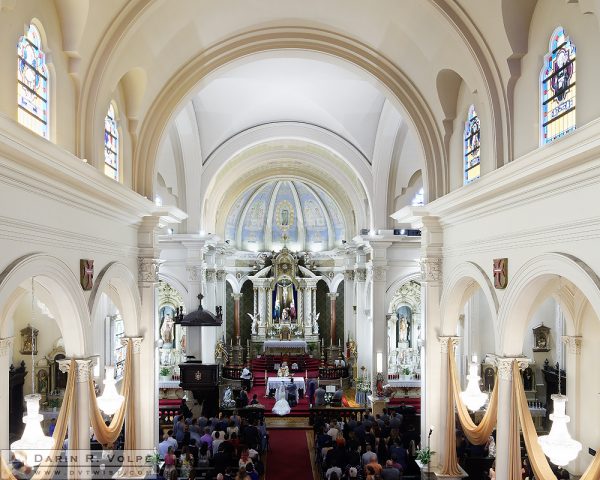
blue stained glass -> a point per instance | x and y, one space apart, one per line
111 144
32 83
471 149
558 88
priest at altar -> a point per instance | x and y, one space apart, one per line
283 370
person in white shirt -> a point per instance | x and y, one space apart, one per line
217 440
163 447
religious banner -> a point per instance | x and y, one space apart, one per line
86 273
500 272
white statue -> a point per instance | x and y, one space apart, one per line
255 320
403 329
315 323
166 330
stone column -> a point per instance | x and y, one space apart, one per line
220 300
195 274
362 334
332 327
573 366
80 416
349 304
147 409
379 332
506 415
5 360
209 335
237 349
445 344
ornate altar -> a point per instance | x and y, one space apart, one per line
284 301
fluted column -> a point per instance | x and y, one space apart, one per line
362 333
236 316
573 367
5 358
349 303
209 335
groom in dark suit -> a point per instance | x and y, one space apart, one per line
292 393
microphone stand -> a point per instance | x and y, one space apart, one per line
429 450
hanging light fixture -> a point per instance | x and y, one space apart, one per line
33 446
473 397
110 400
558 445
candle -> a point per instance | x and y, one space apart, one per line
474 358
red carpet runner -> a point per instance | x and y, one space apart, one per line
288 457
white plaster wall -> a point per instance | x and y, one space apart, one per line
584 33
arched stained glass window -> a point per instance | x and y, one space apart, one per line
111 144
471 146
32 83
558 88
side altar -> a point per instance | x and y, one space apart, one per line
285 294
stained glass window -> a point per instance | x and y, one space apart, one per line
558 88
111 145
32 83
471 146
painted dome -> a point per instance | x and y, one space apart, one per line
305 215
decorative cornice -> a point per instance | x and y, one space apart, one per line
137 343
5 345
148 269
573 344
445 342
431 269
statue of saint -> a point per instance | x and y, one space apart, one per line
277 310
166 330
315 325
254 327
403 327
285 315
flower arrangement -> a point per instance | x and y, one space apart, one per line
424 455
362 385
165 371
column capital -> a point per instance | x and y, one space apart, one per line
5 344
431 269
361 274
573 343
136 341
446 342
148 269
349 275
211 275
505 366
332 295
83 368
221 275
237 296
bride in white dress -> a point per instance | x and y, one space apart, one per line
281 407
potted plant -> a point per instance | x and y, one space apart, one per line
406 373
165 373
424 455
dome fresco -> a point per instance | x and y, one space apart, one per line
305 215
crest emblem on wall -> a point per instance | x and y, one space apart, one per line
86 273
500 272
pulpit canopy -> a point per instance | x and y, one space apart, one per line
202 318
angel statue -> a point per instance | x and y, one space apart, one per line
221 352
315 325
255 322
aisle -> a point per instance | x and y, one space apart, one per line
289 456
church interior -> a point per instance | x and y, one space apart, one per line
314 240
